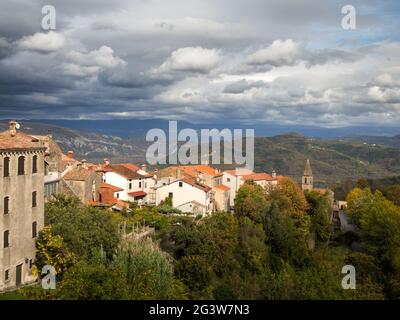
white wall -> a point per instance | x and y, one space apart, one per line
118 181
183 194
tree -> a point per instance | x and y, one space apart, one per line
289 197
148 272
51 251
392 193
84 229
250 201
286 239
358 201
319 209
90 280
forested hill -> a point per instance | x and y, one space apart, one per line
331 160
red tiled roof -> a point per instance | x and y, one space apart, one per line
127 170
19 141
110 186
78 174
320 190
196 203
222 187
194 170
196 184
239 172
137 194
258 177
130 166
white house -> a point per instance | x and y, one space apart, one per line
234 179
137 184
185 190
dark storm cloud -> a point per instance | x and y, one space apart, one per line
288 61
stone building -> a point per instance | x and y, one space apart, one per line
82 182
21 205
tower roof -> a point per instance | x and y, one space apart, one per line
307 169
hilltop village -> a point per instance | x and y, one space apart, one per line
34 169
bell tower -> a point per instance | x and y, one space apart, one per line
307 179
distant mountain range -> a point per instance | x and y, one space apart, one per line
332 160
134 128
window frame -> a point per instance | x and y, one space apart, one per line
34 164
6 167
21 165
34 199
34 230
6 239
6 205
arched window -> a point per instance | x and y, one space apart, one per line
21 165
34 164
6 167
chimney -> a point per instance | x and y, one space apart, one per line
106 162
70 154
13 128
273 174
84 164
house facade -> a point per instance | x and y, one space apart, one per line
21 205
185 190
137 184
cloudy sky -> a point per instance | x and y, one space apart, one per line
288 62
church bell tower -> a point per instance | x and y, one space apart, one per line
307 179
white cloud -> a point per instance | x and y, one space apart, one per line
191 59
103 57
277 54
378 94
46 42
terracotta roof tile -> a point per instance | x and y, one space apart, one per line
78 174
126 170
258 177
19 141
111 187
222 187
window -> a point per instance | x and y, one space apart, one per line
130 185
6 239
6 205
180 184
21 165
34 229
140 184
228 179
170 195
34 199
117 195
7 275
34 164
6 167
